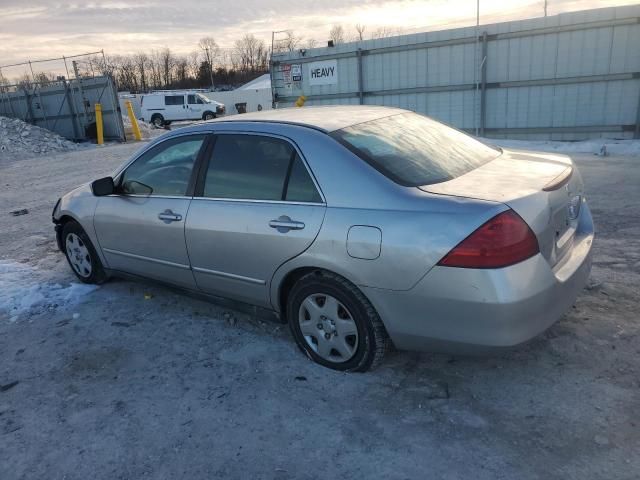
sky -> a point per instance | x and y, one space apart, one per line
37 29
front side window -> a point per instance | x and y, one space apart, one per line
414 150
192 100
174 100
165 169
255 167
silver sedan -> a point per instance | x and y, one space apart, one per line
359 226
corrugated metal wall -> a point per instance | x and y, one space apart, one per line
66 107
566 77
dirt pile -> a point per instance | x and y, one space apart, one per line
21 140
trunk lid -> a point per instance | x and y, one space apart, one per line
537 186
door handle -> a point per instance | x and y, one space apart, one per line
283 224
168 216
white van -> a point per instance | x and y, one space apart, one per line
162 108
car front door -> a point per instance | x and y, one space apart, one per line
140 229
256 206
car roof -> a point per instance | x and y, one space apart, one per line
326 118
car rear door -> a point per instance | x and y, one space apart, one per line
142 232
256 206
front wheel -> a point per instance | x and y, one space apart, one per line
81 255
157 120
335 324
208 116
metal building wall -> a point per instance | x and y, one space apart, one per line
66 106
566 77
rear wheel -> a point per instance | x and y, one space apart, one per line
157 120
81 255
335 324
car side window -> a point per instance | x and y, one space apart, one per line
255 167
192 100
166 168
174 100
300 187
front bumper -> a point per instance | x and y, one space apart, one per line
461 310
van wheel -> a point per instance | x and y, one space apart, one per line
208 116
335 324
157 120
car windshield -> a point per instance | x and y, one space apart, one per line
203 98
414 150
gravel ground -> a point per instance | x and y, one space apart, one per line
135 381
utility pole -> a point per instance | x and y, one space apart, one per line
545 8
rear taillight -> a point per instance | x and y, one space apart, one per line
502 241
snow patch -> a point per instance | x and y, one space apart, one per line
145 129
24 291
602 147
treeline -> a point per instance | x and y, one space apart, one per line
207 66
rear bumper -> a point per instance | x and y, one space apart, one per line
465 310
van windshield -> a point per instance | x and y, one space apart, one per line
203 98
414 150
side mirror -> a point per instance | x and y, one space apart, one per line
102 186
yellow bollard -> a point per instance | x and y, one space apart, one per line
134 120
301 100
99 126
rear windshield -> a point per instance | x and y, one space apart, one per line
414 150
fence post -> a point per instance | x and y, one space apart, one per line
99 126
72 110
29 111
360 86
36 88
483 85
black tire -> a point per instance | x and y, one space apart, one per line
157 120
373 340
97 274
208 115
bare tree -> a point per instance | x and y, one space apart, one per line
167 62
126 73
310 43
290 43
181 71
336 34
155 62
384 32
360 31
193 64
141 61
250 55
211 51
